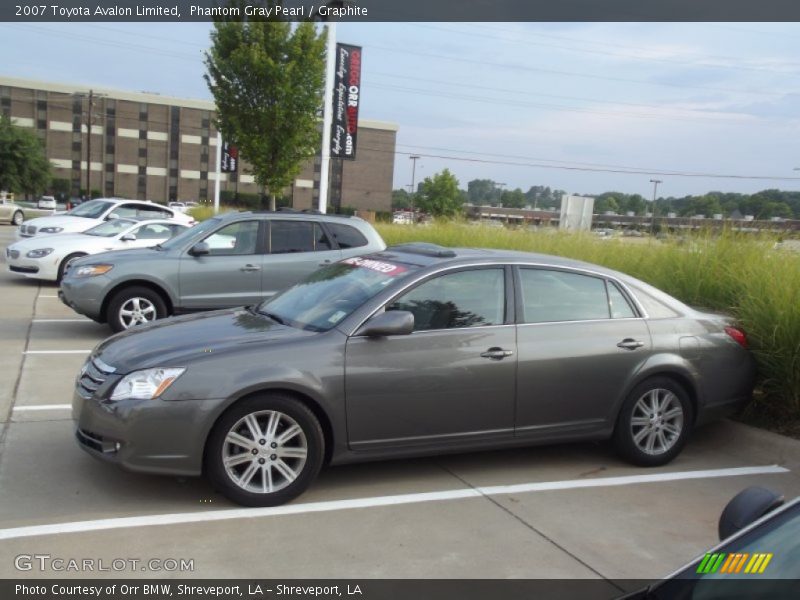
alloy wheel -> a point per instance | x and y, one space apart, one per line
137 310
657 421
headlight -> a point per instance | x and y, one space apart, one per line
39 253
51 230
91 270
146 384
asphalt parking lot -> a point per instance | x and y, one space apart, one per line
551 512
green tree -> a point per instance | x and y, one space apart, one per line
401 200
439 195
513 199
481 192
24 168
267 80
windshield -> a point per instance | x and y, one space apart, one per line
333 293
93 209
189 233
110 228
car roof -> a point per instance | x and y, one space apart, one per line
292 215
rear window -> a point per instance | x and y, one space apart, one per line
347 236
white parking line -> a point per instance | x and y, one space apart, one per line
61 321
312 507
48 296
56 351
44 407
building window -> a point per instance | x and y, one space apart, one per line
41 105
109 167
142 134
41 124
76 146
142 170
109 188
142 152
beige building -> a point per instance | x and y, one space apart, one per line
148 146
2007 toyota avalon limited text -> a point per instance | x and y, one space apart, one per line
411 351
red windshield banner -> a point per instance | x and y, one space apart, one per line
346 100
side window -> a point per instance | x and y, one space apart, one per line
347 236
620 307
144 211
234 239
124 210
463 299
153 231
296 236
549 295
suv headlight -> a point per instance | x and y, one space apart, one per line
51 230
39 253
91 270
146 384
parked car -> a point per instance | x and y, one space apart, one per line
757 556
94 212
47 257
11 212
46 202
228 260
412 351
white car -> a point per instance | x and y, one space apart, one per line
87 215
46 257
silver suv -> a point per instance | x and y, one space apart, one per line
229 260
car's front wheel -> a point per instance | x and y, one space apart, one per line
265 450
133 306
18 218
654 422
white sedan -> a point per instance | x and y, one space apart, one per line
94 212
46 257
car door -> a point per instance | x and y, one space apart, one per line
580 341
230 274
297 248
450 381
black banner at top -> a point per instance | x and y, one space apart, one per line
403 10
346 101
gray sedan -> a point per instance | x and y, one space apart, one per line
416 350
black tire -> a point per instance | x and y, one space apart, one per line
636 428
150 301
17 218
67 259
267 463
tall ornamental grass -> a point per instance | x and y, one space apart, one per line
743 275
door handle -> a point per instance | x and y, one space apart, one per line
324 263
250 268
630 344
496 353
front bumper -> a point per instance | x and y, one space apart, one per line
145 436
31 267
85 296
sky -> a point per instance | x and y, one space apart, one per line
568 105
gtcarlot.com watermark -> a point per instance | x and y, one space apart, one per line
49 563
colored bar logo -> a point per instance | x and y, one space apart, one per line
734 563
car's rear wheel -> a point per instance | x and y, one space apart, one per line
66 262
18 218
133 306
654 423
265 450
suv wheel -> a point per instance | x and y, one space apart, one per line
265 450
134 306
18 218
654 422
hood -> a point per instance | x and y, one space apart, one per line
178 341
68 222
59 239
115 256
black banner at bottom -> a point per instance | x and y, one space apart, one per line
395 589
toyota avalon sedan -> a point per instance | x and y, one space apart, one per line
415 350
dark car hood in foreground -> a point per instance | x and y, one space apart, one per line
171 342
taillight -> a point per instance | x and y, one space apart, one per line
738 335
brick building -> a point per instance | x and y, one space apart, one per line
148 146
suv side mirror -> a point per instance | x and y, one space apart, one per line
390 322
200 249
745 508
128 237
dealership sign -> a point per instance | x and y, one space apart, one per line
346 100
229 160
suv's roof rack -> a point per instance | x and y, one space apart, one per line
424 249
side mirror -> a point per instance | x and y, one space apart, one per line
200 249
391 322
745 508
128 237
112 216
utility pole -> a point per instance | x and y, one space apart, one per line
91 96
655 183
414 158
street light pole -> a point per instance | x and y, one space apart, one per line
414 158
655 183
